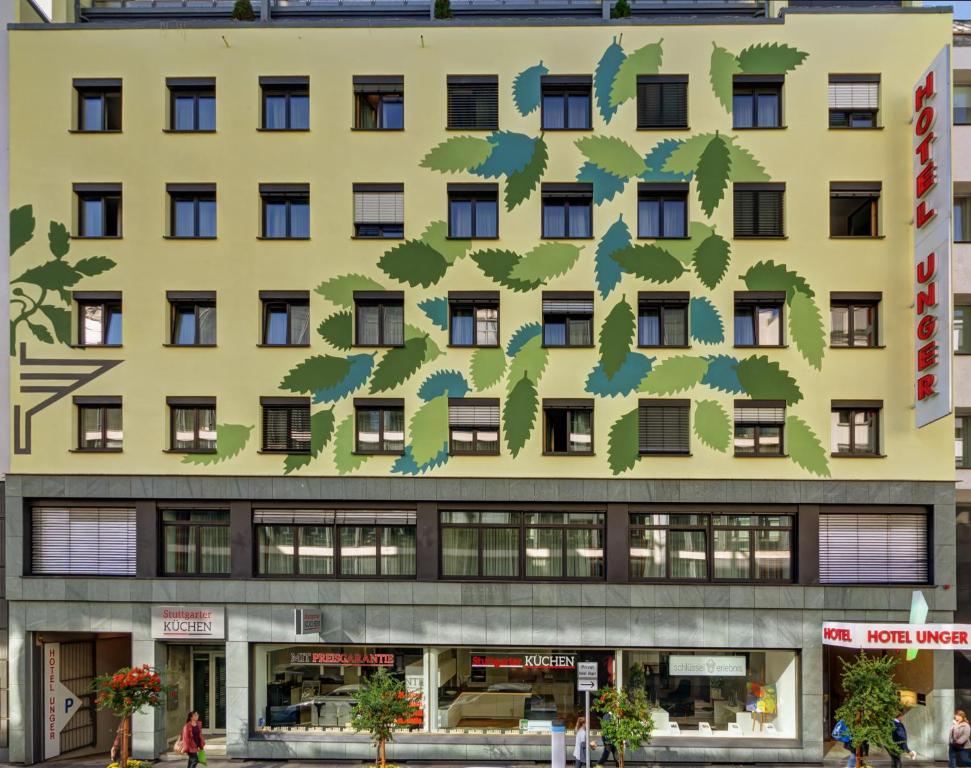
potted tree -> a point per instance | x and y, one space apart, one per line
127 691
625 719
382 707
243 11
872 702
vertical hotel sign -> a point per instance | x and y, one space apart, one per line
932 240
60 703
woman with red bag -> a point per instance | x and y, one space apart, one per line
192 741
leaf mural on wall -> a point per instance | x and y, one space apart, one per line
632 372
675 374
613 155
531 360
321 431
511 153
649 262
451 249
60 320
804 448
22 223
806 328
603 78
436 310
486 367
711 259
428 431
608 271
744 165
769 276
457 154
521 336
519 186
714 166
704 321
644 61
519 414
497 264
616 337
230 440
605 185
340 290
721 73
399 364
358 373
527 88
440 383
414 262
345 458
759 59
337 330
328 378
722 374
713 425
544 262
764 379
622 446
656 160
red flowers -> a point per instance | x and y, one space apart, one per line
129 689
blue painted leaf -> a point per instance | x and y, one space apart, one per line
603 79
616 238
625 381
405 463
521 336
722 374
705 322
357 376
655 160
511 152
605 184
527 88
441 382
436 310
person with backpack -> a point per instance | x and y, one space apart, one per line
841 733
900 741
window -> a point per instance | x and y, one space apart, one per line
379 210
662 211
473 426
758 210
380 426
567 210
193 322
195 542
853 209
193 424
99 318
286 211
757 101
759 427
473 318
286 103
662 101
568 427
662 319
962 219
317 542
542 545
662 427
962 440
99 423
286 318
962 104
193 210
853 319
379 102
473 102
567 319
99 105
854 101
566 102
873 548
855 428
99 210
286 424
758 318
192 104
80 541
379 318
473 210
743 547
962 329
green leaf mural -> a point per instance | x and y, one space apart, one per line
345 459
744 165
415 263
530 360
457 154
340 290
487 366
59 240
60 320
429 429
643 61
317 372
608 272
804 447
436 310
230 440
436 236
93 265
527 88
40 332
22 225
684 249
498 264
713 425
432 350
337 330
769 276
603 78
399 364
711 259
675 374
606 186
712 174
511 152
616 337
544 262
649 262
656 159
519 414
806 328
321 431
612 155
770 59
52 275
724 66
622 446
763 379
519 186
684 158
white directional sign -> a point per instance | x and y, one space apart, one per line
587 676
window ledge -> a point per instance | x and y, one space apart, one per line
761 128
449 237
473 453
857 128
181 451
473 346
760 237
761 346
283 130
192 346
962 242
471 128
668 454
565 239
96 450
858 455
664 346
280 239
96 237
377 453
81 130
194 130
761 456
862 346
665 128
188 237
375 346
378 239
282 346
376 130
283 453
663 239
569 346
566 130
857 237
96 346
569 454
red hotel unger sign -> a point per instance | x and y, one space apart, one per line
931 637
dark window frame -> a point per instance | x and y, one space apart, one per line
454 83
103 407
754 90
662 197
753 305
567 412
962 116
646 304
851 305
874 411
195 198
288 91
268 305
869 198
474 428
196 304
474 197
197 408
565 91
568 318
684 409
195 92
102 92
382 305
564 200
380 409
103 197
663 85
757 428
289 199
759 192
962 304
289 409
362 95
105 305
198 524
474 305
963 420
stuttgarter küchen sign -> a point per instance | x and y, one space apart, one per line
930 637
175 622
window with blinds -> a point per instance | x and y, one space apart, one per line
82 541
662 101
854 101
379 210
759 427
473 425
568 319
758 210
662 427
473 102
873 548
286 425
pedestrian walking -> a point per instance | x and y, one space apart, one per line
900 741
609 749
192 742
958 740
841 733
581 744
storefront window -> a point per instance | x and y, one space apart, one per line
195 541
734 693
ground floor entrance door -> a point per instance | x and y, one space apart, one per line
209 688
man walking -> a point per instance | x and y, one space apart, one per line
900 741
609 749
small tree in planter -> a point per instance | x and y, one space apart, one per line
382 706
625 719
872 702
443 9
621 10
243 11
126 692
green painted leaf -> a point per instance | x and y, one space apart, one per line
230 440
744 165
724 66
613 155
769 276
317 372
684 159
649 262
59 240
806 328
53 275
399 364
345 460
804 447
712 175
487 367
616 337
414 262
60 322
338 330
432 350
94 265
498 264
530 360
684 250
770 59
22 224
622 446
436 235
340 290
40 332
321 431
711 259
763 379
643 61
713 425
544 262
519 414
429 430
675 374
459 153
520 185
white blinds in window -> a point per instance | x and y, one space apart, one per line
568 306
474 415
759 414
379 207
329 517
853 95
872 548
82 540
